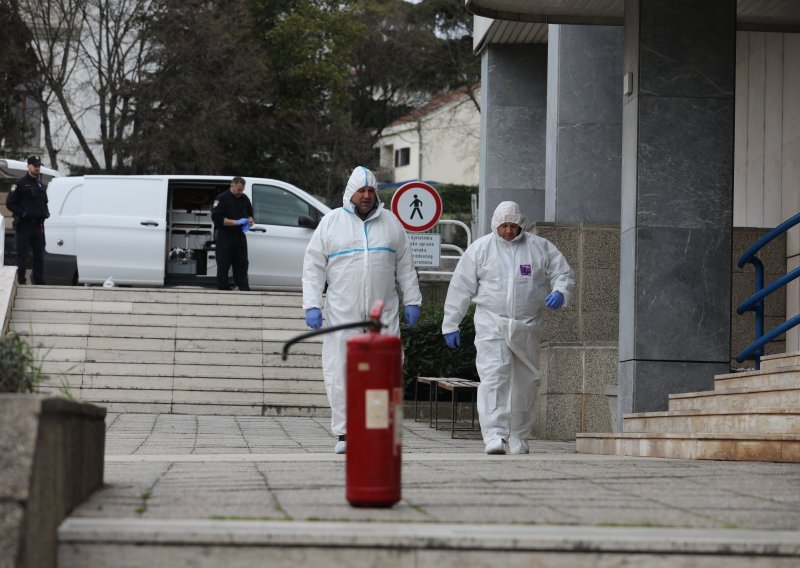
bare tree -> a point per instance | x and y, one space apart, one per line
17 80
90 55
53 25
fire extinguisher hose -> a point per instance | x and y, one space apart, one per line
372 324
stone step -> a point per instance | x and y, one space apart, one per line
174 350
199 397
755 421
126 323
778 360
127 382
160 295
134 542
176 356
56 368
735 399
233 333
191 345
39 310
788 376
720 446
219 409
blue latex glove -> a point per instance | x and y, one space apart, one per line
554 300
245 227
453 339
242 222
314 318
411 315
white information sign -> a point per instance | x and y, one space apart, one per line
425 249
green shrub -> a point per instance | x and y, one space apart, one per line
19 369
457 198
426 353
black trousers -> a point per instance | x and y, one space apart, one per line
30 236
232 251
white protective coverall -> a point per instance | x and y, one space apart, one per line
508 281
362 261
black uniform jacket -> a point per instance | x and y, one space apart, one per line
232 207
28 201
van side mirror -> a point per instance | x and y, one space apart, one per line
307 222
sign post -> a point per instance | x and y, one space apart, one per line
418 206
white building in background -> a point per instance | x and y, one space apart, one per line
439 142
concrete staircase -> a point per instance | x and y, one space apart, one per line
183 351
752 416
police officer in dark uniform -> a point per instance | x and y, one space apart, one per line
28 202
232 214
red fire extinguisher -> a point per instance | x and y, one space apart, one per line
374 413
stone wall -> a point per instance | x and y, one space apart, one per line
8 291
579 355
572 394
51 459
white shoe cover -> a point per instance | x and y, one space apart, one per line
496 447
516 446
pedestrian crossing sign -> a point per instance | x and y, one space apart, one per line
417 205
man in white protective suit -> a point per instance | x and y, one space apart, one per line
361 251
507 274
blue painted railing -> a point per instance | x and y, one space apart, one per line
755 303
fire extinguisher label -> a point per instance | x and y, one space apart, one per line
377 409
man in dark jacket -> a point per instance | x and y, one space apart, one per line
232 214
28 202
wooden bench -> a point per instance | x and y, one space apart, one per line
455 386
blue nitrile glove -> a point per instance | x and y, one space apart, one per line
411 315
314 318
242 222
245 227
453 339
554 300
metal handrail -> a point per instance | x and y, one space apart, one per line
755 303
448 247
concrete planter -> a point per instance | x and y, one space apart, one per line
51 459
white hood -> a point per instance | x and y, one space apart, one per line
507 212
361 177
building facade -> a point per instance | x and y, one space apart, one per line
438 142
676 122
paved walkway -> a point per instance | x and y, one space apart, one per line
211 468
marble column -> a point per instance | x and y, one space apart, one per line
677 194
513 128
584 124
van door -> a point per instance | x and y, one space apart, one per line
277 243
121 230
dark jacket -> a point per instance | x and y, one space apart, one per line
28 201
232 207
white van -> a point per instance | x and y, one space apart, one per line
157 230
